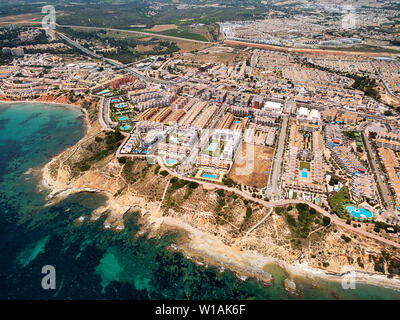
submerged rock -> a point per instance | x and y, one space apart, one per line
290 286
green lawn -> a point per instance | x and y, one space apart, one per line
305 165
338 201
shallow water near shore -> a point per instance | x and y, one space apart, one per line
90 262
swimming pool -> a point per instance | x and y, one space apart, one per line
359 212
123 118
173 140
209 175
304 173
212 147
237 121
171 161
126 127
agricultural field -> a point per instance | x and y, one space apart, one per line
21 19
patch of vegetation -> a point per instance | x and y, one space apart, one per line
333 181
349 134
112 141
127 172
305 165
228 182
379 265
176 184
249 212
388 113
387 227
338 201
164 173
279 210
326 221
345 238
193 185
301 226
122 160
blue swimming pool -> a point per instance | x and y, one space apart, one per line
359 212
123 118
237 121
209 175
304 173
126 127
212 147
173 140
171 161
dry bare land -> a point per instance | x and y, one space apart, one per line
186 46
262 163
220 56
21 19
162 27
142 48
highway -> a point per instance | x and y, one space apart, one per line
382 79
128 69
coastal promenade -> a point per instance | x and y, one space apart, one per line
269 204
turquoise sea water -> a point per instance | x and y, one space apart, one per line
90 262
